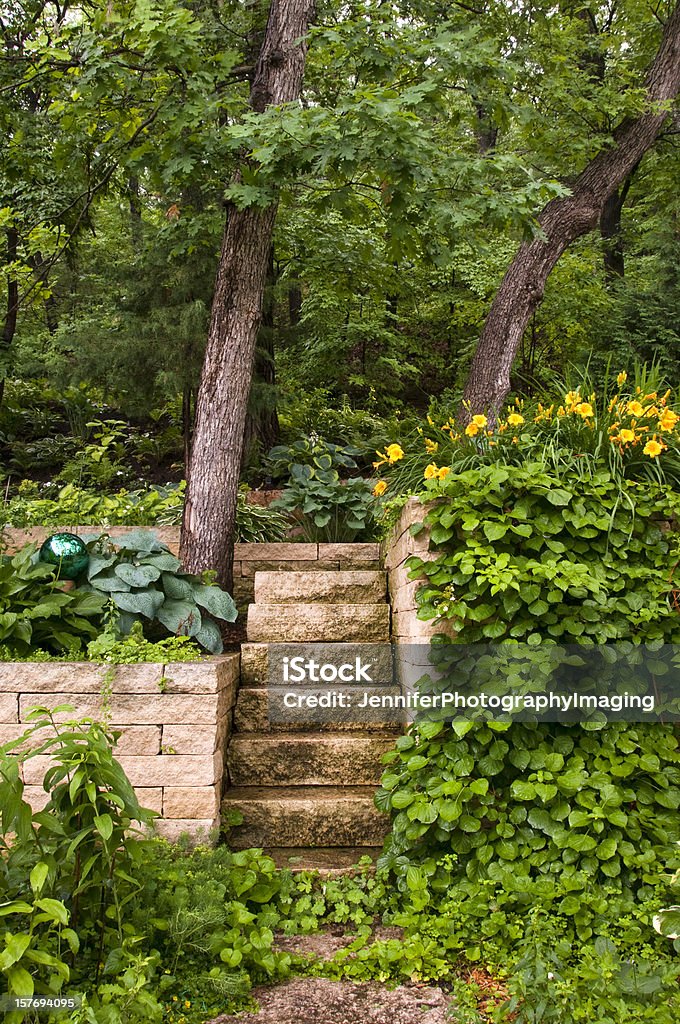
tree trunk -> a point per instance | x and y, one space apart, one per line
10 323
262 418
561 222
212 488
610 231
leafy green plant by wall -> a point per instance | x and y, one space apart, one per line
329 509
520 555
67 875
35 614
145 582
160 506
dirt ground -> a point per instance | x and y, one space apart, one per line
319 1001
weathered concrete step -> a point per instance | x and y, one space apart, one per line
306 759
310 623
330 860
308 816
262 710
262 664
327 587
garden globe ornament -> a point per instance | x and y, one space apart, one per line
68 552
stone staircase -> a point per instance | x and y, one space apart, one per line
305 788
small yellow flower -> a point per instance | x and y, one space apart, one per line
430 421
515 420
515 440
571 399
444 472
668 420
622 378
584 409
430 446
187 1004
612 403
626 436
394 452
635 409
472 429
431 471
480 421
561 411
653 448
379 488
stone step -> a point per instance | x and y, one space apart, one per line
262 664
306 759
327 587
327 860
261 709
314 623
305 816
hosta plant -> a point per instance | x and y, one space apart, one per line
35 614
145 582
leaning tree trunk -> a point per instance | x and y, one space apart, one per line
561 222
222 401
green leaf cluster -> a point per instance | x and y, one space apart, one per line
36 614
329 509
145 581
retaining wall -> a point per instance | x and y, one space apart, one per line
174 721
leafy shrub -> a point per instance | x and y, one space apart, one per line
35 614
521 552
329 509
522 555
67 875
161 506
144 580
521 801
313 452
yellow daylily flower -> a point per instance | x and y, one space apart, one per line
626 436
430 446
635 409
394 452
515 420
431 471
584 409
480 421
653 449
622 378
444 472
668 420
472 429
379 488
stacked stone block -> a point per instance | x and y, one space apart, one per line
174 722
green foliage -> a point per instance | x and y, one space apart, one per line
144 581
627 429
35 614
67 873
528 553
522 802
160 506
134 648
582 819
330 509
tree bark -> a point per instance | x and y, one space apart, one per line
561 222
212 487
